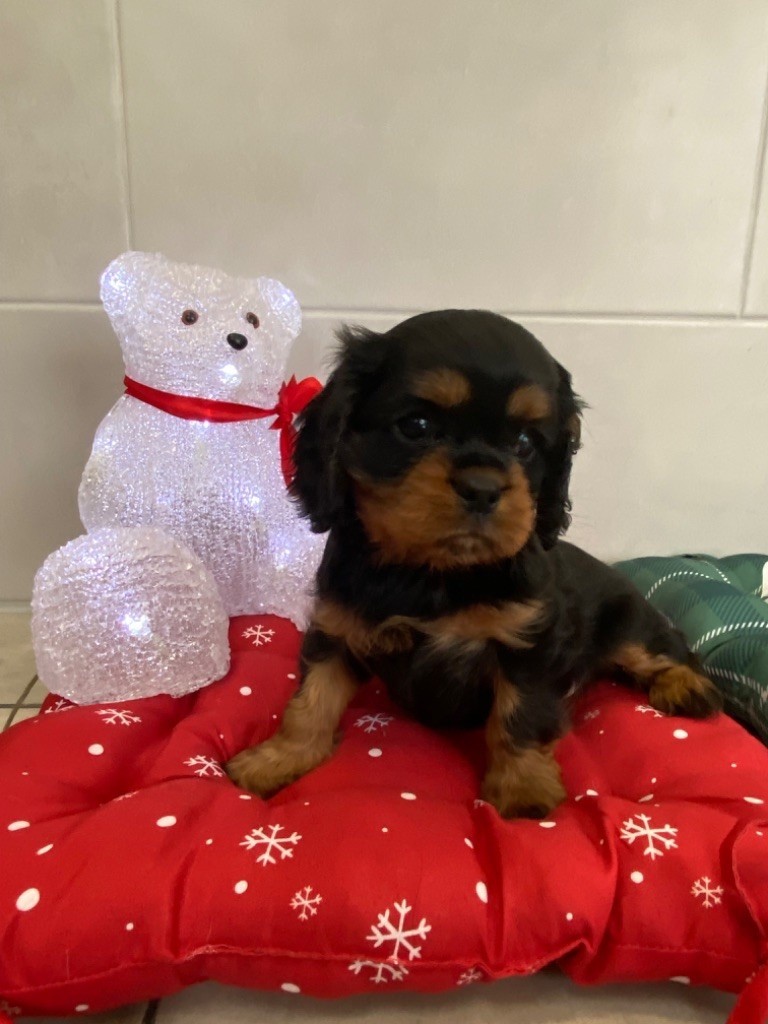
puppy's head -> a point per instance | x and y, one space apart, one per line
450 437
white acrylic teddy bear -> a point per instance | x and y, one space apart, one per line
199 343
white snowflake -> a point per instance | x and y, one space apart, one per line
711 893
205 766
639 826
272 842
305 903
58 705
386 930
645 709
370 723
470 976
259 635
383 971
11 1011
115 716
590 714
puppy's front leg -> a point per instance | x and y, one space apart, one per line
306 737
523 778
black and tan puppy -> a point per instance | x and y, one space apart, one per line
438 457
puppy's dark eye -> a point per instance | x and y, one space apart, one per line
415 428
189 317
523 446
252 319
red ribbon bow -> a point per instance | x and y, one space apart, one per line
292 398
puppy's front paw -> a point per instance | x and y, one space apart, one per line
681 691
267 768
534 794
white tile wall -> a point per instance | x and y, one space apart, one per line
591 167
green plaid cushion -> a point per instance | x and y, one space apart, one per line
720 604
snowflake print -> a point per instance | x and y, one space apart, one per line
258 635
114 716
470 976
382 972
58 705
590 715
11 1011
645 709
305 903
712 893
205 767
272 843
387 930
370 723
639 827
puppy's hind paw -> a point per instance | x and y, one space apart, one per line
681 691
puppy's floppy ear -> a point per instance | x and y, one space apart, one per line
321 485
554 504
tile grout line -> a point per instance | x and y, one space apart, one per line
586 317
757 188
119 73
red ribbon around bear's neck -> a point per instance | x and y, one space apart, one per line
292 397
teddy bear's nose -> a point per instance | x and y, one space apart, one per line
237 341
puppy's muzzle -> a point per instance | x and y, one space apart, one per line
479 489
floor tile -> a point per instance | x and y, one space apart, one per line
126 1015
15 715
545 999
17 664
37 694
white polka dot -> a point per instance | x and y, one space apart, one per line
547 824
681 979
166 821
82 1007
482 892
246 691
306 803
45 849
602 842
753 800
129 926
569 916
209 842
733 764
221 735
645 799
291 675
290 987
408 796
374 752
680 734
592 792
95 749
25 773
601 732
245 796
653 781
241 887
637 877
28 899
758 833
16 825
385 829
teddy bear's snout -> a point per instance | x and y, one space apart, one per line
238 341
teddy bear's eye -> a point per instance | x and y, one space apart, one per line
189 317
252 319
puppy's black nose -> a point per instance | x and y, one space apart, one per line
237 341
479 489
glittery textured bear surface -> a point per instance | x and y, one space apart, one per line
125 613
218 487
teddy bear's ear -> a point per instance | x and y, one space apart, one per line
282 304
125 281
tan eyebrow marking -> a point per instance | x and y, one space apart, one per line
443 387
529 402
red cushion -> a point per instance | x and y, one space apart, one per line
131 866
